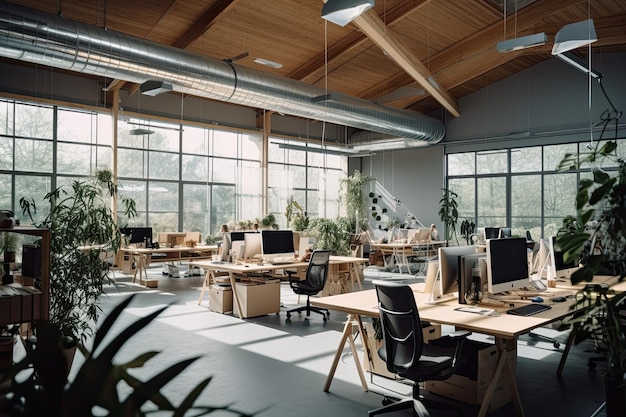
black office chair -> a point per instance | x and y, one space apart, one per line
316 275
405 352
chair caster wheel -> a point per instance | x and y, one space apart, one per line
556 345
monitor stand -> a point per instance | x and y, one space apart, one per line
504 296
436 295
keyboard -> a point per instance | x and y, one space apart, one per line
528 309
279 260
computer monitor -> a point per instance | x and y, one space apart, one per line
402 234
492 232
225 248
507 264
505 232
252 242
446 286
550 256
466 274
543 259
277 243
561 268
138 234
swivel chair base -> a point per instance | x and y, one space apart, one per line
309 308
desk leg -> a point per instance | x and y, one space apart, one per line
347 334
205 284
355 277
568 346
140 269
506 348
236 303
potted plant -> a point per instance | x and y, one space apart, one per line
449 213
468 227
269 222
332 234
596 238
37 385
82 227
8 245
351 197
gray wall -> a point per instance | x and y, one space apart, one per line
549 101
414 176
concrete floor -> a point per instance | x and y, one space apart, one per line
267 366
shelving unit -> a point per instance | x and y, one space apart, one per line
44 280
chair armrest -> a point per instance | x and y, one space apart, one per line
459 334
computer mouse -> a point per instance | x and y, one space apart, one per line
559 299
536 299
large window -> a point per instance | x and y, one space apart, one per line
311 178
519 187
182 176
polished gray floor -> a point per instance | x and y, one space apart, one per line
267 366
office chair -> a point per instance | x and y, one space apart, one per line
316 275
405 352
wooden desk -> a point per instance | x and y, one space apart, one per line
234 269
399 252
145 256
505 328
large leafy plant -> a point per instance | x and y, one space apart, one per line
596 238
351 198
83 230
331 234
38 386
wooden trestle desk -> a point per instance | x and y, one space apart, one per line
146 256
398 253
505 328
243 268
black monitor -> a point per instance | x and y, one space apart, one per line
507 264
277 243
138 234
492 232
505 232
446 286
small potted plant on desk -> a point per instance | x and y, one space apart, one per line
596 237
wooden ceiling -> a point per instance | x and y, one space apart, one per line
381 56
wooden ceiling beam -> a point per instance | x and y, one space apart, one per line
204 23
462 59
374 28
353 40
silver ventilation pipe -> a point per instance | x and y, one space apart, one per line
42 38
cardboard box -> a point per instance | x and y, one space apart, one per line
221 299
378 366
473 376
257 299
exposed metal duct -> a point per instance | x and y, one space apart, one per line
42 38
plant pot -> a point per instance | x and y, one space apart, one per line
9 256
615 396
